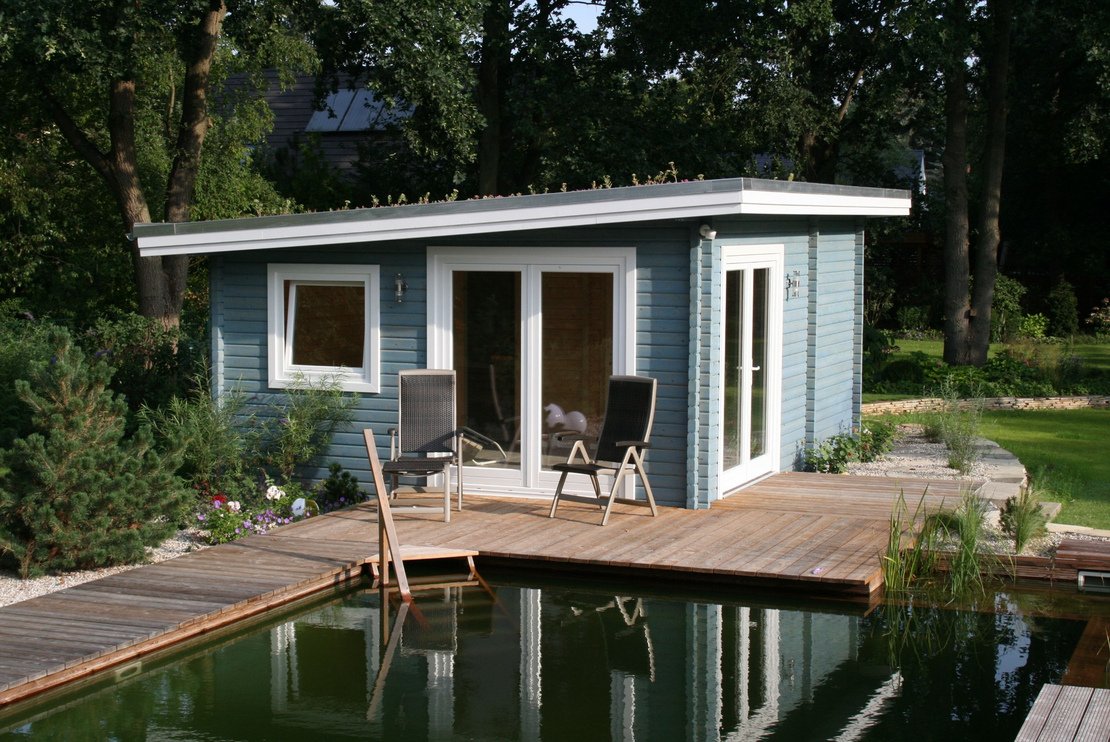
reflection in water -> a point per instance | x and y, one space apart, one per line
525 663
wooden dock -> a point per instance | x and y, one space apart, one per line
1066 713
812 532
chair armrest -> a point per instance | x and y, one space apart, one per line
636 444
575 436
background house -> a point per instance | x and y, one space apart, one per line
743 297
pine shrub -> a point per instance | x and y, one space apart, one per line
77 493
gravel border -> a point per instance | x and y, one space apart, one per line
13 589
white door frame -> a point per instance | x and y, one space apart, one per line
748 257
531 262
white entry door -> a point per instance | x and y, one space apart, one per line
751 344
533 337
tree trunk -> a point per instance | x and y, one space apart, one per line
491 82
956 260
986 251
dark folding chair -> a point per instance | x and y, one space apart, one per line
426 441
620 445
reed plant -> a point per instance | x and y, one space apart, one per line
1022 518
910 555
963 528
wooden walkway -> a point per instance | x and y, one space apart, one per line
810 531
1066 713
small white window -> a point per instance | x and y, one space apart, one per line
323 322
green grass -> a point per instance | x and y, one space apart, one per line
1067 452
1094 354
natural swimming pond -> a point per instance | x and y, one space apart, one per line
527 659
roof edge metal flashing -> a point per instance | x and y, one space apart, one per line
695 199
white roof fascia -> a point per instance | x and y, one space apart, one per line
407 225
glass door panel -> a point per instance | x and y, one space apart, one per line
758 443
487 361
577 356
750 364
733 341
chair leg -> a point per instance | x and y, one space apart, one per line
558 491
639 459
612 496
446 494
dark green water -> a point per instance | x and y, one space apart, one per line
533 660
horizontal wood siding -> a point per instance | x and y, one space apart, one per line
834 328
661 332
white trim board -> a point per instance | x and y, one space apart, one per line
698 200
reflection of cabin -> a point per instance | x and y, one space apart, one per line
743 297
563 665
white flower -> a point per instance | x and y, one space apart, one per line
233 506
274 492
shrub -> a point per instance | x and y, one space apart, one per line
1099 319
1063 310
339 490
913 318
220 442
1022 518
309 414
77 494
152 364
1006 308
21 341
876 438
1033 326
832 455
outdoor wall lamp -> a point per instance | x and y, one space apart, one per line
707 232
399 287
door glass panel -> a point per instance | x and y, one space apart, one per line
487 353
759 362
734 290
577 356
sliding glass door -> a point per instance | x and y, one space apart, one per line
533 341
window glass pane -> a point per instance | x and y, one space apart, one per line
577 356
487 352
329 324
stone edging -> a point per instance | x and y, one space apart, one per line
989 403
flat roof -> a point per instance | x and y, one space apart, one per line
686 200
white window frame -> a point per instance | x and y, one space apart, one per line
283 373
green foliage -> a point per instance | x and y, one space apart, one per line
835 453
22 341
152 364
1063 310
964 527
1033 326
908 557
78 494
310 412
1099 319
339 490
876 352
1006 308
913 318
219 439
956 424
1022 518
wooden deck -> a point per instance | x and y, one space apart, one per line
1065 713
810 531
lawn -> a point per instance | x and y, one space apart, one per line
1065 451
1094 354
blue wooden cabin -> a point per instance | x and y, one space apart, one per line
743 297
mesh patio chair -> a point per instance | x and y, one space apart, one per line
426 441
621 444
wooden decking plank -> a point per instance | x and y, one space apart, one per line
1095 725
867 539
712 534
752 564
1035 721
733 536
1067 713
